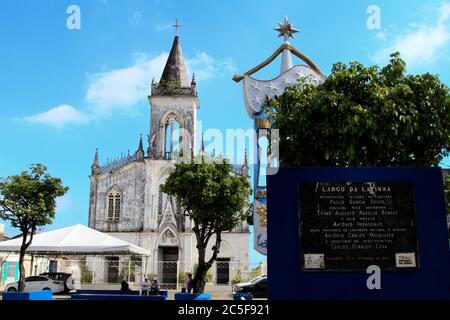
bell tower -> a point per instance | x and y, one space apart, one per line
174 104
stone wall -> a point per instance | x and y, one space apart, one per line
165 109
130 180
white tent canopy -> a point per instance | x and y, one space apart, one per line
76 239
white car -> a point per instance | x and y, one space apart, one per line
36 283
66 278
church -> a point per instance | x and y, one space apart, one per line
125 200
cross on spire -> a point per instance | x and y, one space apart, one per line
177 26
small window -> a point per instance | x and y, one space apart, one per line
53 266
111 207
160 202
114 203
41 279
35 278
12 269
117 208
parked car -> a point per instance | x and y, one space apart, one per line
35 283
257 287
67 279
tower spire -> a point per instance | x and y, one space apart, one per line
140 150
245 165
95 168
203 144
175 69
141 145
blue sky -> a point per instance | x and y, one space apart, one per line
66 92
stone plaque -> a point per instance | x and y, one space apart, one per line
352 225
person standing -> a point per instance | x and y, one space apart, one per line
189 283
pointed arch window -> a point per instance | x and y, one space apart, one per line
160 202
114 205
172 139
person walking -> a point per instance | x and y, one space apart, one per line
189 283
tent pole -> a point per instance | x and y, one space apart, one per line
93 269
145 269
31 265
178 275
129 269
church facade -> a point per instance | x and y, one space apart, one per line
125 200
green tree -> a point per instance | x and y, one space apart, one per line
28 201
447 192
447 196
213 199
128 270
237 278
364 116
86 274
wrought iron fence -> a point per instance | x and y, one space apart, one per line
170 274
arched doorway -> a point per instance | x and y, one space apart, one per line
223 270
168 254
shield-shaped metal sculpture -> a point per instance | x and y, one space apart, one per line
257 91
256 94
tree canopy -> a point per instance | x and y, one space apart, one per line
447 192
215 201
28 201
364 116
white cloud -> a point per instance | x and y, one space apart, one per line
60 116
206 67
123 88
63 204
419 44
444 12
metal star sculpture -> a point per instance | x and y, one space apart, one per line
285 29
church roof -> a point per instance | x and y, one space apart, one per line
175 69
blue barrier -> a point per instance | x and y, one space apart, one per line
131 292
192 296
33 295
114 297
164 293
243 296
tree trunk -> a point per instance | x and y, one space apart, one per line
23 248
21 268
31 265
200 273
199 278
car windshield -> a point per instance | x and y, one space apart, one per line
257 279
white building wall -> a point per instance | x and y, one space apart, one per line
130 180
